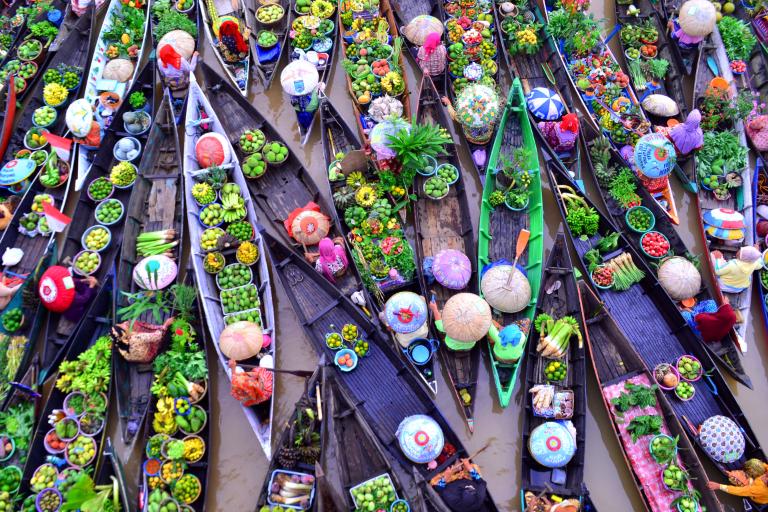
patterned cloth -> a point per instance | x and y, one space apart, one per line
648 471
433 65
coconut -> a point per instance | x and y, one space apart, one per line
505 294
660 105
680 278
118 69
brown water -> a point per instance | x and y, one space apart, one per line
238 466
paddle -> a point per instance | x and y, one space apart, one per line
522 242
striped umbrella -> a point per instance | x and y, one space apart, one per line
545 104
724 218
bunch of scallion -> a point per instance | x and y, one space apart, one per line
156 242
625 272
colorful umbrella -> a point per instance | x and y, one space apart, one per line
722 439
545 104
380 136
452 269
697 18
655 155
308 225
405 312
466 317
725 234
477 106
724 218
421 439
552 445
420 27
299 78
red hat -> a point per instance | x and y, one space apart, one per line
57 289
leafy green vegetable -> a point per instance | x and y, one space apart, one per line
738 39
646 424
623 188
608 243
91 372
721 153
173 20
638 396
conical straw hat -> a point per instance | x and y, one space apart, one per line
506 288
466 317
697 18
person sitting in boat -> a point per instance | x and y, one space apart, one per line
233 45
432 55
61 292
561 135
751 483
332 259
461 486
687 136
174 68
405 315
735 275
469 320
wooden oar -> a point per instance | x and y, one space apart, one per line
522 242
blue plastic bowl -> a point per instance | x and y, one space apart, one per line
342 353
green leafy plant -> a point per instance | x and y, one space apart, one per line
173 20
183 300
86 496
90 372
157 303
657 68
643 425
411 146
623 188
738 39
43 30
137 99
637 396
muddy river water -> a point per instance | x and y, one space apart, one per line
238 466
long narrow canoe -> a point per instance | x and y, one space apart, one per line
283 189
760 195
615 363
112 471
98 322
60 330
649 318
338 138
24 401
95 85
446 224
724 351
500 227
156 203
302 442
713 58
381 387
266 61
558 298
201 118
685 58
237 72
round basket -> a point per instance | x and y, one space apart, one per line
96 431
685 399
80 271
101 205
643 209
66 454
271 23
11 451
162 438
100 179
199 490
202 427
49 123
123 187
17 470
42 494
190 437
136 145
70 410
39 468
599 285
200 219
91 229
655 457
431 197
701 368
660 384
342 353
250 274
149 473
646 252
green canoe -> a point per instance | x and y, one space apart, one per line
499 227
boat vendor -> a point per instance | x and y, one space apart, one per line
751 483
477 109
174 67
465 320
431 56
461 486
695 22
61 292
405 315
735 275
332 260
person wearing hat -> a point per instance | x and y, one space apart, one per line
461 486
457 345
431 56
414 331
174 68
735 275
755 488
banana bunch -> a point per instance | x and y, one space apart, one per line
392 83
542 396
163 421
233 205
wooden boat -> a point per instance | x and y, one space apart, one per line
202 118
440 225
364 122
24 397
685 58
26 298
724 351
156 203
542 69
616 362
97 322
237 72
760 195
558 298
337 138
201 467
293 453
112 468
713 63
500 227
60 330
94 85
179 92
266 61
381 373
649 318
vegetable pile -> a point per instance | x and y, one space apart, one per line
654 244
555 336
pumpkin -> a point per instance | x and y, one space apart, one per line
212 149
118 69
181 41
241 340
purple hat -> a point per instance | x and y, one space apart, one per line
452 269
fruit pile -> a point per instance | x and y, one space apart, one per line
123 174
44 116
254 166
35 138
349 332
674 477
689 368
275 152
55 94
435 187
555 371
10 478
234 275
232 203
640 219
448 172
12 320
49 501
252 315
361 347
270 13
247 253
266 39
37 202
333 340
43 477
87 262
345 360
209 238
81 451
27 70
203 193
100 189
109 211
685 390
213 262
374 494
212 215
655 244
252 140
29 222
187 488
97 238
239 299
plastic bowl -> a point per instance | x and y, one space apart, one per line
458 172
650 448
595 282
685 399
111 191
93 228
136 147
81 272
640 208
13 449
344 352
661 385
701 368
643 248
101 204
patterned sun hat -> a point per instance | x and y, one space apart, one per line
722 439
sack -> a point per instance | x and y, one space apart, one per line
141 342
